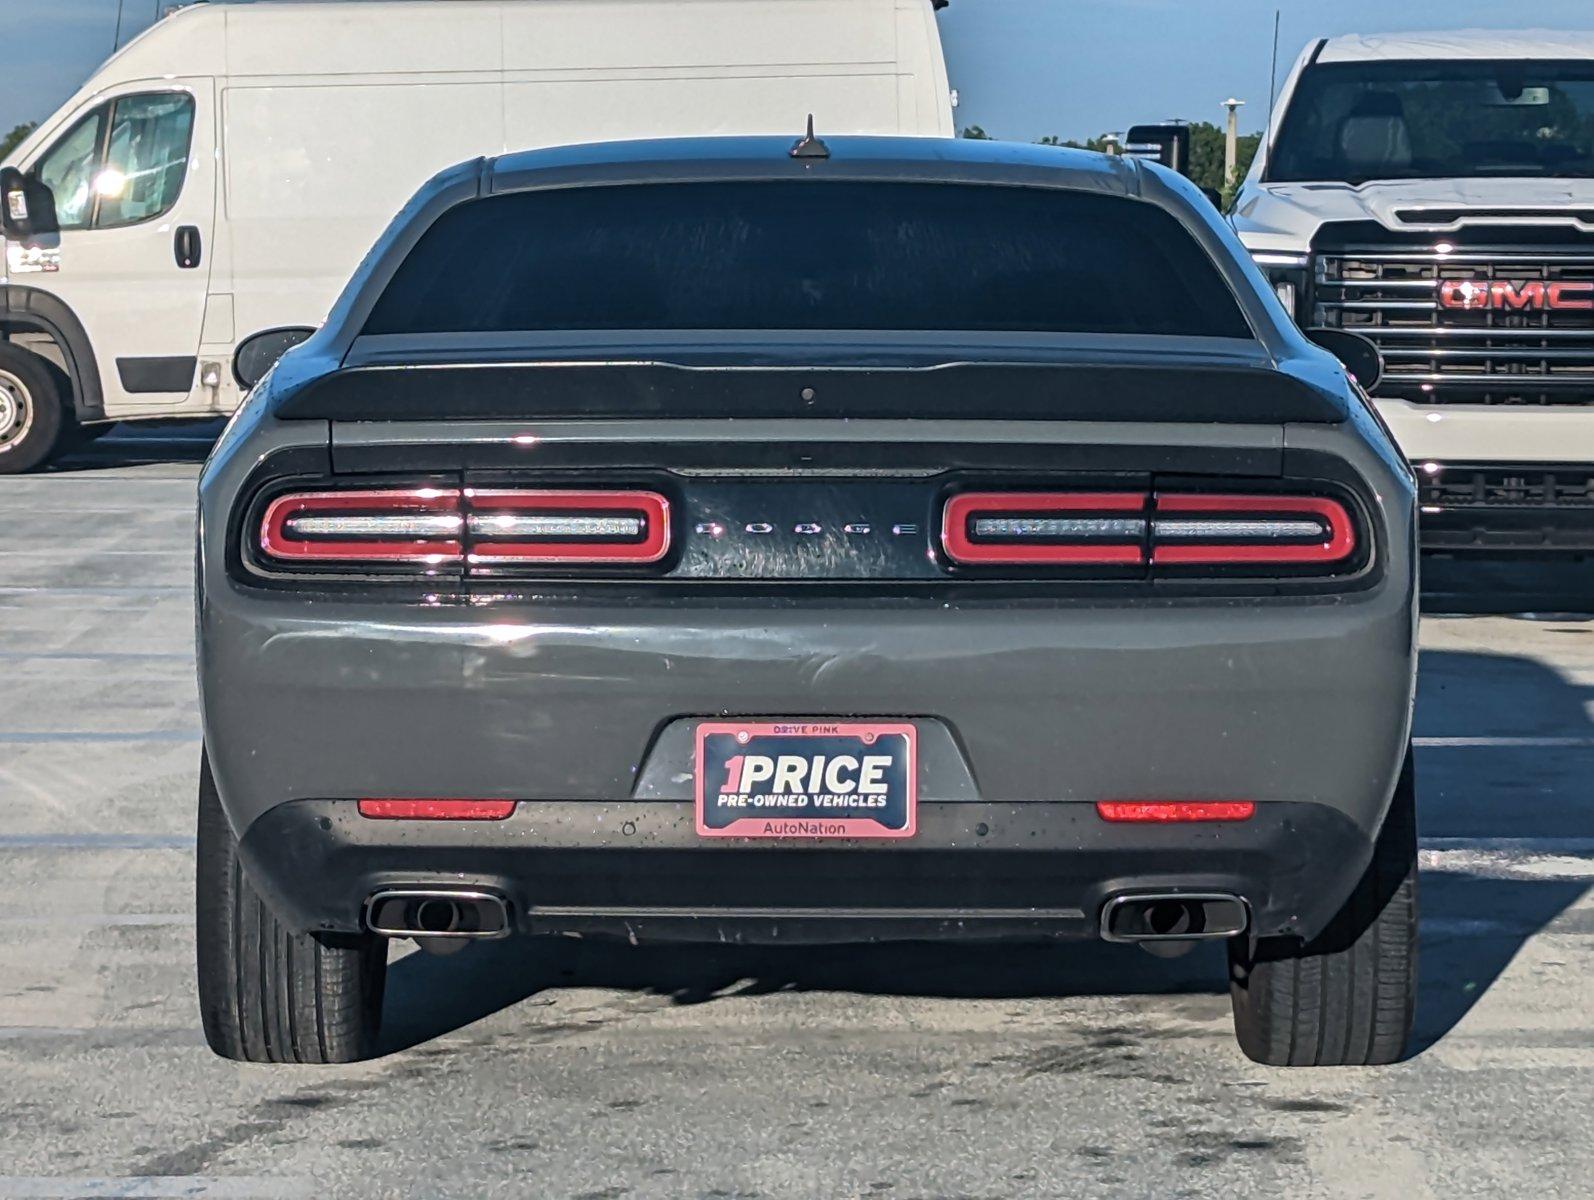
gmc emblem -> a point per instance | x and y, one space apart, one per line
1534 296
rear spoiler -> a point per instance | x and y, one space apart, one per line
983 391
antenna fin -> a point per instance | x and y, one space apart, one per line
810 145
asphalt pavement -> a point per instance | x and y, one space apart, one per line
588 1070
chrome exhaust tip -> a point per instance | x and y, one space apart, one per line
437 914
1173 917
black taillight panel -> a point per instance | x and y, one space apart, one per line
448 534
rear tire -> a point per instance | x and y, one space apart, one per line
33 416
1347 997
266 993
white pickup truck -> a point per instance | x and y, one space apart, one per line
1435 193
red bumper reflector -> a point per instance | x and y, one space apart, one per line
437 810
1162 812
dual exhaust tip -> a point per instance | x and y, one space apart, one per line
437 914
1173 917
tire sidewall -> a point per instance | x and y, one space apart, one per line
42 396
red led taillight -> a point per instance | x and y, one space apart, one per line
437 810
423 526
1045 528
1164 812
436 527
1204 530
568 527
1135 529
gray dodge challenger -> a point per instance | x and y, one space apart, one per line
734 540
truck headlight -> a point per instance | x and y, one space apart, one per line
1287 273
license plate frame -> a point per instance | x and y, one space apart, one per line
754 811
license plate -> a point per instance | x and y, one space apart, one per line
806 780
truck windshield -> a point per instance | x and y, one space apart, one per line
809 255
1356 122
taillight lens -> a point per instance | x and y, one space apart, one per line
441 527
423 526
1045 528
568 527
1140 529
1203 530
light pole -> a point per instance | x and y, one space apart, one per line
1231 145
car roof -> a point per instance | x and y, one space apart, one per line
964 160
1492 44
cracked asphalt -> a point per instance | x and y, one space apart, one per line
588 1070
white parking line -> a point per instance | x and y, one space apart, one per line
1441 743
1569 865
1513 845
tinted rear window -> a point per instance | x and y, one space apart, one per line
809 255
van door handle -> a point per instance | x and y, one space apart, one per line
188 247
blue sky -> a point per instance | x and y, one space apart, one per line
1025 68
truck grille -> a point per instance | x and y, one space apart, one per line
1527 355
1526 506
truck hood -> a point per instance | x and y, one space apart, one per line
1286 216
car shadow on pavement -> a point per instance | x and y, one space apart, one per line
136 445
1485 812
1479 584
428 997
1505 754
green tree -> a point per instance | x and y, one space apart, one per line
977 134
1206 158
12 140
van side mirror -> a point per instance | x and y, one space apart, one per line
258 354
1165 144
27 207
1361 357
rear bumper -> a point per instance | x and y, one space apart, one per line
974 871
1283 699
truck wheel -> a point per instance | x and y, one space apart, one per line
1346 998
32 415
267 994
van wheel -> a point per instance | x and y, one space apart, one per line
267 994
32 414
1346 998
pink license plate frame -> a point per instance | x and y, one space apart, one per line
846 754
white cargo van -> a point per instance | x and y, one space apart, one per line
221 176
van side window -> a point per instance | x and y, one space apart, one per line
146 158
68 169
